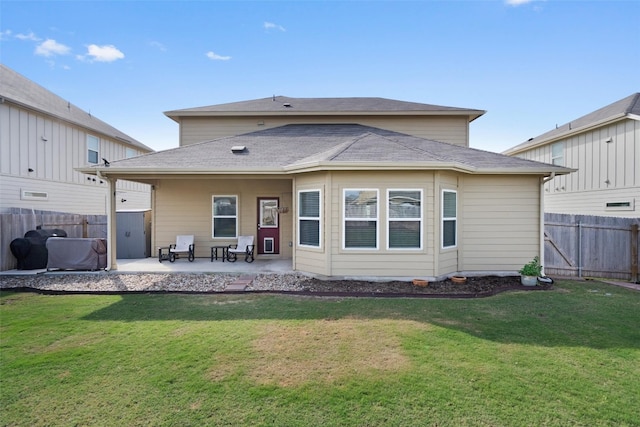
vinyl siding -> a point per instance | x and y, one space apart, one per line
90 198
447 258
449 129
500 222
52 149
605 171
313 260
184 207
381 262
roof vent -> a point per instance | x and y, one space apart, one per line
238 149
287 105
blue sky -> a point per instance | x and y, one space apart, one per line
531 64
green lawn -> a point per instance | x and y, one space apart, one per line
567 357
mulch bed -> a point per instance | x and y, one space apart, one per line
473 287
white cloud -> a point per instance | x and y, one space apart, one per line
51 47
518 2
31 36
215 57
4 35
271 26
106 53
158 46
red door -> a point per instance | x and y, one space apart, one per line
268 229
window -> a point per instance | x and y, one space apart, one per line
404 225
626 205
309 218
449 218
129 152
93 149
360 219
225 217
557 154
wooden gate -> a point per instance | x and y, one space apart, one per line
591 246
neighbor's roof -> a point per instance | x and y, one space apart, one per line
279 105
628 107
20 90
301 148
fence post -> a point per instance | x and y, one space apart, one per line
634 253
85 224
579 249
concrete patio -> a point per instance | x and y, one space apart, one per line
199 265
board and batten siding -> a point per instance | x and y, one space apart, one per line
500 222
450 129
606 171
52 149
184 206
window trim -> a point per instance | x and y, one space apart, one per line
443 219
345 219
420 220
309 218
213 216
90 138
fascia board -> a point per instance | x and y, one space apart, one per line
176 115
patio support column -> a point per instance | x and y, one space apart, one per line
111 223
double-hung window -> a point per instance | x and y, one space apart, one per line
557 154
404 227
449 218
309 218
360 227
93 149
225 217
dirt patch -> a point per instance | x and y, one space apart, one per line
328 351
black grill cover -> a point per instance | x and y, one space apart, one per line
31 250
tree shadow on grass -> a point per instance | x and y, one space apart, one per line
571 315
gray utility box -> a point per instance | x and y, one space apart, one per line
133 235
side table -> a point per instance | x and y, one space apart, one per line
163 256
214 252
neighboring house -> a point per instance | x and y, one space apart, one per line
44 138
344 199
604 147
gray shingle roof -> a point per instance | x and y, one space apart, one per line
294 148
619 109
330 106
20 90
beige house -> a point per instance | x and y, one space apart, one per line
344 187
44 139
604 148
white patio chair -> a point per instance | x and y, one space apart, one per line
244 246
184 244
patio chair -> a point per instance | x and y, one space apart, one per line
244 246
184 244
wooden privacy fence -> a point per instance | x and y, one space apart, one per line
18 221
591 246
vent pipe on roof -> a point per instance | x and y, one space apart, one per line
238 149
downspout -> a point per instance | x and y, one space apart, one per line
111 207
542 183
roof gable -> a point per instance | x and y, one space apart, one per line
20 90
